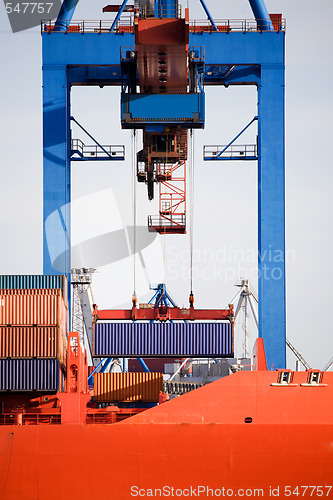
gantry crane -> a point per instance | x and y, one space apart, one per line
159 54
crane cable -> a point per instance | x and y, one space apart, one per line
191 205
165 192
134 298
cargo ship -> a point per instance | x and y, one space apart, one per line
258 432
253 433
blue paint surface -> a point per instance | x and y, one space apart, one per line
30 375
178 109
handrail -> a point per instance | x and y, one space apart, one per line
92 150
241 151
126 24
17 418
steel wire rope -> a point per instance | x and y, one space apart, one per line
191 205
134 207
165 192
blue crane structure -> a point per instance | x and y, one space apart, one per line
247 52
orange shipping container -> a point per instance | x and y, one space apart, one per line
33 342
127 387
41 307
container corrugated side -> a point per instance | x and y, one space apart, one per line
163 339
127 387
35 281
30 375
33 342
42 307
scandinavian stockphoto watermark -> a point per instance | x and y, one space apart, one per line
227 263
25 15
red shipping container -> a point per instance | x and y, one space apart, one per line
42 307
33 342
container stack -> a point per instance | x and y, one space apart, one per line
33 332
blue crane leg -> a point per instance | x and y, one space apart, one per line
271 215
65 15
261 14
208 15
119 13
56 172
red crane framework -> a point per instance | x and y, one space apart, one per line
170 173
162 65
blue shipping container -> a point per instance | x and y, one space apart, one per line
30 375
34 281
163 339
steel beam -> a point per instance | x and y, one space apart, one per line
65 15
261 14
164 313
119 13
208 15
56 171
271 215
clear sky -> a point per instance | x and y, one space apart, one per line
225 215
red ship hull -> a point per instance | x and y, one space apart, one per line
202 439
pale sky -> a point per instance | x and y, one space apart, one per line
225 214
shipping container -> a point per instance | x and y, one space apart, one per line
163 339
127 387
33 342
42 307
30 375
35 281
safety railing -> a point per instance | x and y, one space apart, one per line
111 417
29 419
94 151
167 223
150 10
196 53
127 53
231 25
233 152
163 172
126 25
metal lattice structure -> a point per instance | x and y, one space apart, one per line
81 283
